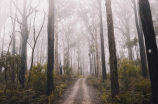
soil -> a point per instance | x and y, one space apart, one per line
80 92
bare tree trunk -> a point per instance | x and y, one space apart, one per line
50 66
112 50
78 60
90 60
3 43
151 47
42 50
56 64
130 56
93 64
102 44
141 44
24 47
95 68
33 48
97 55
3 37
13 43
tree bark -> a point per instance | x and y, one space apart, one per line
141 43
56 64
50 64
151 47
112 51
24 47
97 55
128 40
13 43
102 44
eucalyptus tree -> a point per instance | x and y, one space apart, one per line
151 46
63 11
102 43
25 34
124 23
50 63
90 22
141 41
112 50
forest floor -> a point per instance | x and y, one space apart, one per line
80 92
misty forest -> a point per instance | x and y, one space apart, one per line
78 52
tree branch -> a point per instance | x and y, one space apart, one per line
17 8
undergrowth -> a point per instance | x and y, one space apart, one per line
36 93
134 89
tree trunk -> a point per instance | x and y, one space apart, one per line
151 47
97 55
50 64
112 50
3 37
78 60
56 64
24 47
90 60
128 40
102 44
13 45
141 44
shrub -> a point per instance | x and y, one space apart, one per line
38 78
68 71
144 87
127 71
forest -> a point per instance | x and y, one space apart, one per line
78 52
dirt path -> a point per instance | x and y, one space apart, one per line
81 93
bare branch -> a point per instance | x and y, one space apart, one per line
32 9
17 21
17 8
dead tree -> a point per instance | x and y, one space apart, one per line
35 41
24 33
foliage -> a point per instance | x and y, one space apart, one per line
9 68
127 71
37 88
133 98
101 87
104 96
132 43
134 89
69 71
143 87
38 78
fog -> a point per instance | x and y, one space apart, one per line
76 24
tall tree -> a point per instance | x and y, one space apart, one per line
112 50
151 47
102 43
50 63
13 41
124 23
141 43
24 33
35 42
56 63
